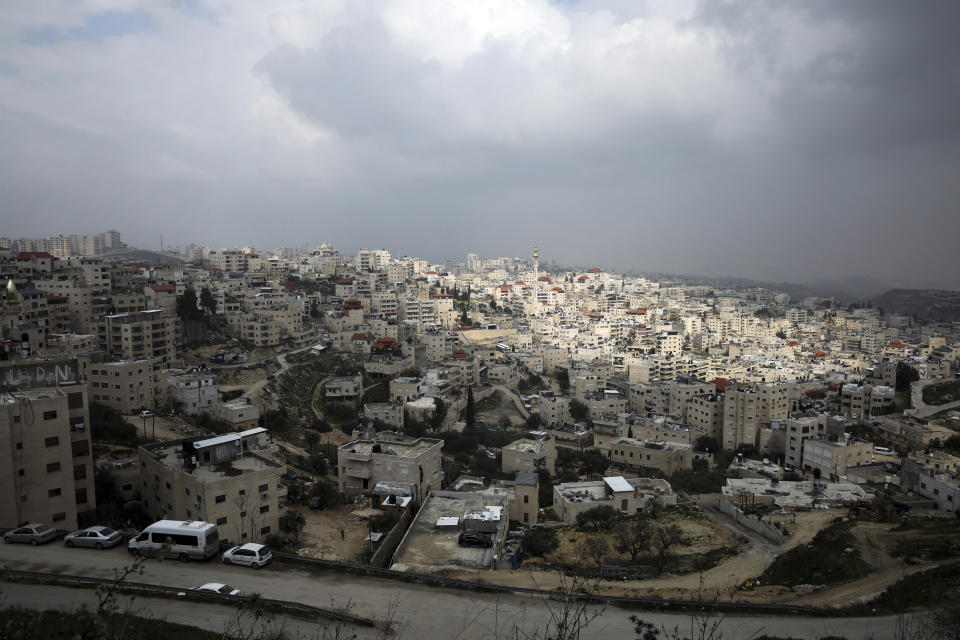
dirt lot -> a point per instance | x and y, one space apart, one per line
719 581
320 537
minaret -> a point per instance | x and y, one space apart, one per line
536 280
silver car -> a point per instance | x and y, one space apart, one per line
33 533
97 537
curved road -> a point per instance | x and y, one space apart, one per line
422 612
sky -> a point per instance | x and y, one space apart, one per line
776 140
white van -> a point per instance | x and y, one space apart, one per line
185 540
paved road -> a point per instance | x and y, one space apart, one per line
428 613
920 408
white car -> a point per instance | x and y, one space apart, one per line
251 554
219 587
146 414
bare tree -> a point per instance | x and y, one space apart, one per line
596 548
633 537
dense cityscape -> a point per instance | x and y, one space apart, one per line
479 320
487 419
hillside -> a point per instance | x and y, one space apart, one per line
927 304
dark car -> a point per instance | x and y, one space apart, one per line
470 539
315 503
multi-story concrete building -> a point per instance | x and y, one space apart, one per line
681 392
194 392
668 457
705 414
866 400
389 457
798 431
626 495
141 335
940 486
230 480
539 451
127 386
47 469
833 456
554 409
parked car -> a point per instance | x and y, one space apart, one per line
315 503
97 537
33 533
471 539
146 414
219 587
251 554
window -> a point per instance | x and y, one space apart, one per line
243 514
243 492
263 488
50 415
526 516
265 508
23 498
127 486
526 499
222 520
53 493
52 441
75 400
19 444
81 496
187 491
168 486
79 471
53 467
264 531
59 517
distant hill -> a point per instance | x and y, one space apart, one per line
926 304
132 254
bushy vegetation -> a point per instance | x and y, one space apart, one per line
107 425
831 558
540 541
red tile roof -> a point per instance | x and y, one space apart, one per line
163 287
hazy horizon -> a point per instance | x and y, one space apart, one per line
777 141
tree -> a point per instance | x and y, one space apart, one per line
905 375
707 443
664 538
539 541
207 301
439 414
563 378
578 410
781 334
596 548
293 522
187 308
633 537
471 410
598 517
464 318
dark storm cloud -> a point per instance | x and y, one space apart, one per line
779 140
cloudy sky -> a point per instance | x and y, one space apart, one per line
777 140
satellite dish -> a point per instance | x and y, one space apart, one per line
766 461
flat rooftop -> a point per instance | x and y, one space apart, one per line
428 548
172 456
411 449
